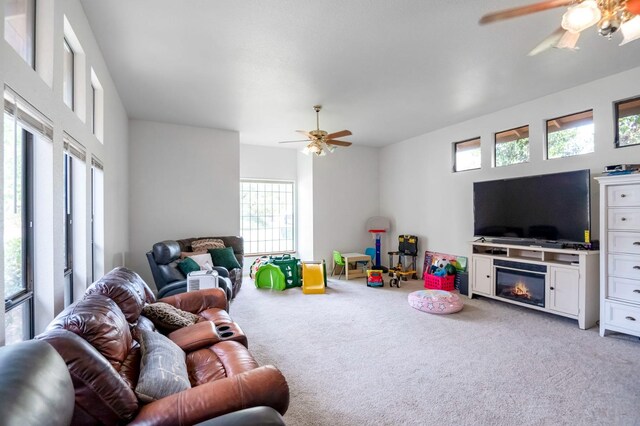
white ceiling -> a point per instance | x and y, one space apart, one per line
387 70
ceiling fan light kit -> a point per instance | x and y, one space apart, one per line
609 16
320 140
581 16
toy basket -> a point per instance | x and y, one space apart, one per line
435 282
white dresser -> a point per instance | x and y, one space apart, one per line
620 254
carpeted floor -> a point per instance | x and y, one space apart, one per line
363 356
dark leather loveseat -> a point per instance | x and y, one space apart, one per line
165 255
99 339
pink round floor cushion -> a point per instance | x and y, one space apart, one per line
435 301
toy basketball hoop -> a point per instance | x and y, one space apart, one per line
377 225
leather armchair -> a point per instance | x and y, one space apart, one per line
163 261
35 385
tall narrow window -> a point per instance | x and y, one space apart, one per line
512 146
68 229
267 216
18 230
92 105
570 135
466 155
628 123
97 219
68 76
97 107
20 28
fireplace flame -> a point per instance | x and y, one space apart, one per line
521 290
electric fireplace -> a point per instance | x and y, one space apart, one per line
521 286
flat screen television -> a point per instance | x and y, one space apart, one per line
550 207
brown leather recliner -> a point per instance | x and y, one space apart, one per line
96 337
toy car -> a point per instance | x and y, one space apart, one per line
374 278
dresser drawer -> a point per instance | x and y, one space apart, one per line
624 289
623 195
624 266
621 315
624 219
624 242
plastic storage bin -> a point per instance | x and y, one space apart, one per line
435 282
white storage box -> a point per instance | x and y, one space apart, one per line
200 280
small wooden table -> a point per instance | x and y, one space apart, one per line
353 258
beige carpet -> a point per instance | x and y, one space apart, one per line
358 356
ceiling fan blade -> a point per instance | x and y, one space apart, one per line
338 143
549 42
301 140
568 41
523 10
338 134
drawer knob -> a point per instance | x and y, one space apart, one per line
623 195
552 288
624 219
636 267
636 243
630 318
636 291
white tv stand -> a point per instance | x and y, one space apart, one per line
571 277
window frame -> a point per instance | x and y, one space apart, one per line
495 146
293 214
68 227
72 81
26 295
546 134
616 107
455 152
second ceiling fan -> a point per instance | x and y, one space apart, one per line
320 140
608 15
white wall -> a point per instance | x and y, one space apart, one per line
184 182
42 88
261 162
345 195
422 196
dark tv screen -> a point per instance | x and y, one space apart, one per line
551 207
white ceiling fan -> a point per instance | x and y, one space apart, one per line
320 140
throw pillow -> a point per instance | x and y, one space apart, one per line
201 246
188 265
224 257
163 369
167 317
202 259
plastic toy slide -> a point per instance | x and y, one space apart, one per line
270 276
313 277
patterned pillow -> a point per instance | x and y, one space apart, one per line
163 370
167 317
201 246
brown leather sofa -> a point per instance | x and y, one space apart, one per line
98 339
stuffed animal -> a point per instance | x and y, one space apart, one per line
442 263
